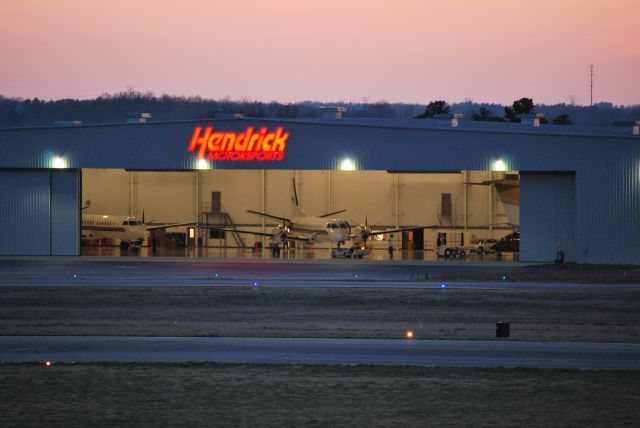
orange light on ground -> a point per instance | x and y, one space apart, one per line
47 364
409 334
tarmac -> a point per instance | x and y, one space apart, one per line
264 272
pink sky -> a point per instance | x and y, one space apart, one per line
329 50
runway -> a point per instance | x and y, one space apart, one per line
446 353
87 271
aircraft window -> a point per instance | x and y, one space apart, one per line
124 223
333 226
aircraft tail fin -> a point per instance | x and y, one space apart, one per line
297 210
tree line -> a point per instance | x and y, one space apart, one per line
114 108
513 113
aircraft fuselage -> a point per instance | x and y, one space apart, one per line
126 229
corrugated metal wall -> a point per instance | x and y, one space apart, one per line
39 212
65 216
99 191
548 214
24 210
608 196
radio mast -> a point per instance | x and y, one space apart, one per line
591 83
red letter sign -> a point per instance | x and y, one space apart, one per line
245 146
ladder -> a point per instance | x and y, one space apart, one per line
220 219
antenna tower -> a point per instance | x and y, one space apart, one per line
591 82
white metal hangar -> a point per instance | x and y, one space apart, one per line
579 188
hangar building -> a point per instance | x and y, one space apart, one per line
579 188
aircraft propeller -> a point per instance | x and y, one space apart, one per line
144 222
363 231
280 234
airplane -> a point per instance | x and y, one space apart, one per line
311 229
129 230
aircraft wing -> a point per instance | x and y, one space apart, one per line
403 229
166 226
283 219
229 229
331 214
297 238
252 232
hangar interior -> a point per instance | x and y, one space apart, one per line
457 206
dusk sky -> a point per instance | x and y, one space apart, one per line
329 50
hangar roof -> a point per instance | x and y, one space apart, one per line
323 144
427 124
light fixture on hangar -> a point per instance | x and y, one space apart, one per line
347 164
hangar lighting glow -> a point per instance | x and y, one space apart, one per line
203 164
347 165
498 165
59 162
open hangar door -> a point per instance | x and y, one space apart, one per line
458 207
120 205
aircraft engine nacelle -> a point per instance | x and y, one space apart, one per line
361 234
280 234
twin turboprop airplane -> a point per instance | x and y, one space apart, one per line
129 230
302 227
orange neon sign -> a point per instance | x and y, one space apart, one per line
244 146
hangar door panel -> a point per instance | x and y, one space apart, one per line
547 216
65 232
24 210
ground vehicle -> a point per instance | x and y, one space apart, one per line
355 251
509 243
481 246
450 252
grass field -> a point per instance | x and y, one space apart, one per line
258 395
328 396
595 315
